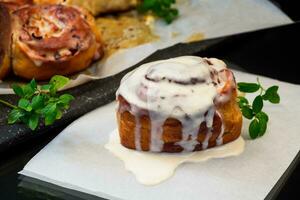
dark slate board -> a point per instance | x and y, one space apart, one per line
267 52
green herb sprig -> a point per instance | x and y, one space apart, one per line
253 112
161 8
39 102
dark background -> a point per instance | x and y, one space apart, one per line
13 160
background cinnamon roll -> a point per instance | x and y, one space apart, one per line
53 39
181 104
15 4
95 6
5 38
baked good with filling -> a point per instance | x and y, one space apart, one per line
181 104
53 39
5 39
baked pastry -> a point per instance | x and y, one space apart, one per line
96 7
181 104
15 4
53 39
5 35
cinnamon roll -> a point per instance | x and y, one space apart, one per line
96 7
15 4
5 35
181 104
53 39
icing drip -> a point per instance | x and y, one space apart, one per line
183 88
137 129
209 124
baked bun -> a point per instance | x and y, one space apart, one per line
181 104
5 38
15 4
53 39
96 7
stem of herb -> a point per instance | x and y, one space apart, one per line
7 104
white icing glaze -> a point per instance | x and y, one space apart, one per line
154 168
183 88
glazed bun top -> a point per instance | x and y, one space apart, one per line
179 86
53 32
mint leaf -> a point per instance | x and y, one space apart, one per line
33 121
37 102
161 8
272 95
247 112
66 98
248 87
242 101
257 104
45 87
57 82
24 104
15 115
33 84
254 129
18 90
262 126
28 91
262 116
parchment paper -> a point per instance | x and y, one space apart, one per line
212 18
77 159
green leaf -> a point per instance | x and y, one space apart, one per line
262 116
272 95
37 102
45 87
18 90
247 112
24 104
50 113
161 8
28 91
275 99
66 99
59 114
257 104
51 107
50 118
254 129
262 126
242 101
33 84
57 82
248 87
33 121
15 115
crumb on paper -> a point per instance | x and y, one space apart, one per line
175 34
195 37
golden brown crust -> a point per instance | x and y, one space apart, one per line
15 4
5 38
230 117
53 39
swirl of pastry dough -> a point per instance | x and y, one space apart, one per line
53 39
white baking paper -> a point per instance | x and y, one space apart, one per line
213 18
77 159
